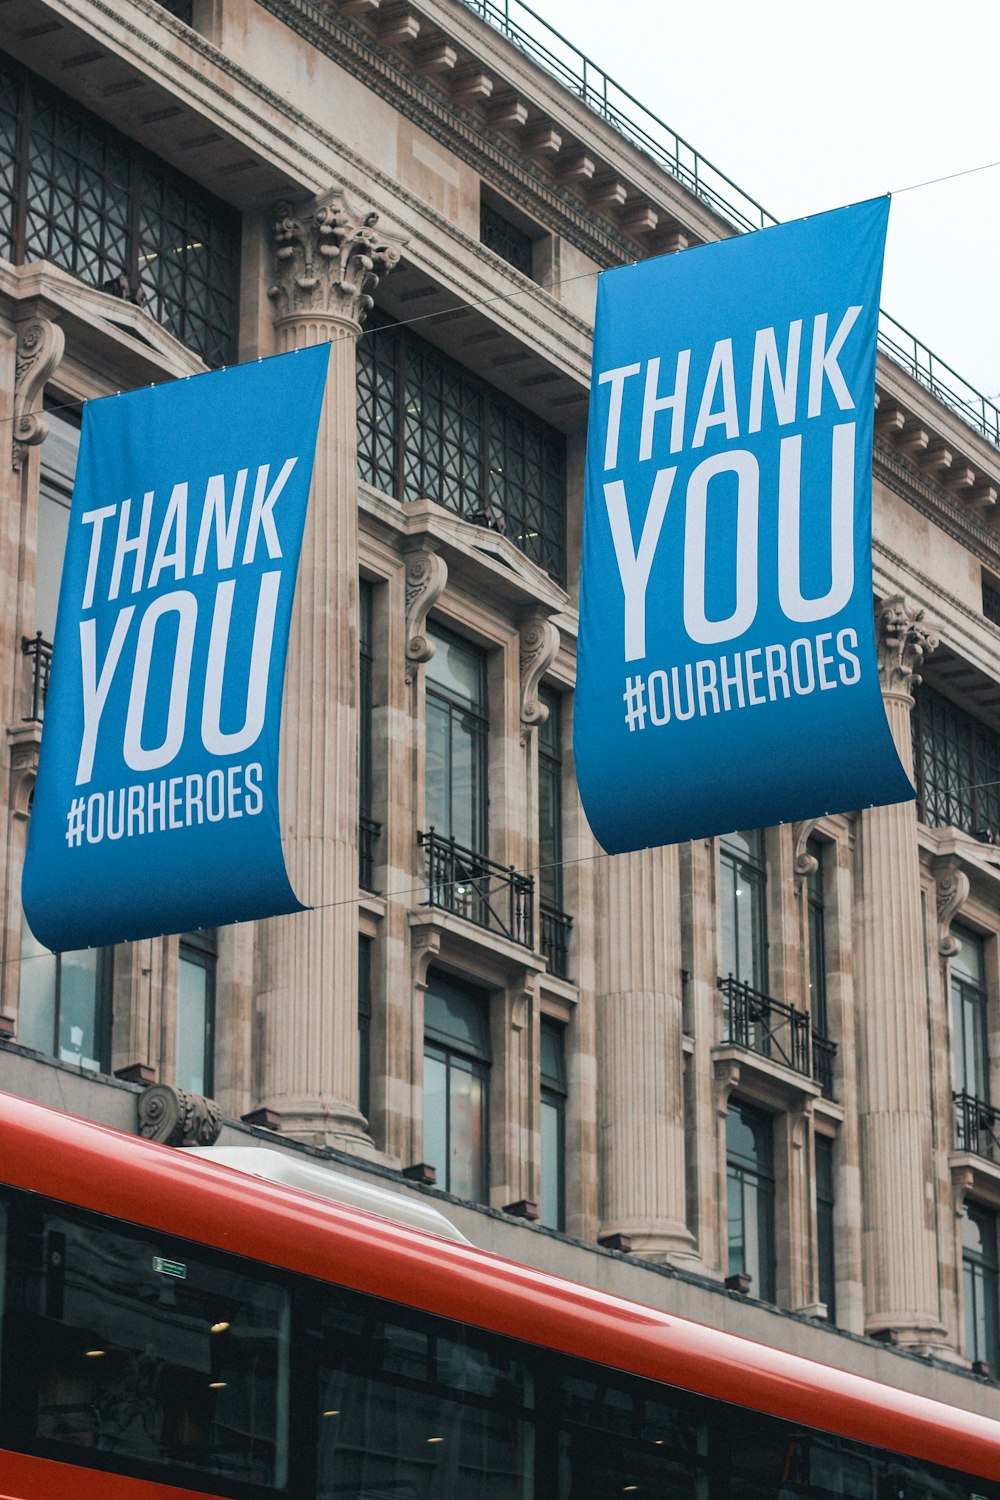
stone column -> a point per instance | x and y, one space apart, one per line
898 1235
328 258
640 1054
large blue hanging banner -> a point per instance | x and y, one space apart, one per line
727 671
156 808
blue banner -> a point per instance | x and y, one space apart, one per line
156 807
727 675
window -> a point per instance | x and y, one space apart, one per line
555 924
979 1283
429 428
457 741
505 239
968 1016
55 491
991 597
956 765
64 1008
824 1225
456 1085
364 1023
194 1056
817 942
744 922
750 1170
76 192
552 1207
368 828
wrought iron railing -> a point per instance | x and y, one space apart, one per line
39 653
654 138
766 1026
470 885
977 1127
555 927
369 833
823 1053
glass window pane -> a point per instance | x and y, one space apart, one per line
550 1207
467 1126
457 1014
457 669
968 963
193 1023
79 1040
436 1112
437 798
59 455
36 1017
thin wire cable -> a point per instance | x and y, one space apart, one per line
948 177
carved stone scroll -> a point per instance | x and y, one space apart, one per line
328 258
539 644
952 886
426 578
903 639
40 346
176 1118
804 863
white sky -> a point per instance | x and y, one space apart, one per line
807 107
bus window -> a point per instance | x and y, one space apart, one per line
148 1350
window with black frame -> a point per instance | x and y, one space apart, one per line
368 829
75 191
364 1023
552 1199
194 1052
456 1085
457 726
956 766
750 1174
967 975
742 900
981 1286
430 429
825 1243
816 906
555 924
64 1003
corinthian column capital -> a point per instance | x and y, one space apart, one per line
328 259
903 638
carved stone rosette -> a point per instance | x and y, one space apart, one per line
952 889
176 1118
903 639
426 578
539 644
328 259
40 346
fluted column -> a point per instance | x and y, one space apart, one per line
327 260
899 1242
639 1052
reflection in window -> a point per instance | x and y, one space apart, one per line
744 924
750 1172
195 1054
824 1225
456 1085
64 1005
552 1205
457 745
979 1283
967 971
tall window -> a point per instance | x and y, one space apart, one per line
429 428
64 1009
750 1170
956 764
817 942
552 1207
368 828
968 1015
824 1225
457 741
194 1058
456 1085
979 1281
364 1023
555 924
77 192
744 922
55 491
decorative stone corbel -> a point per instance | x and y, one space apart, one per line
425 945
725 1078
952 887
962 1180
426 578
328 258
24 746
539 644
40 346
176 1118
799 1122
903 638
803 863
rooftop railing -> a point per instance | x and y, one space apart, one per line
579 75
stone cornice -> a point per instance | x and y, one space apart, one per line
937 505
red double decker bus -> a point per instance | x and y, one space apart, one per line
174 1328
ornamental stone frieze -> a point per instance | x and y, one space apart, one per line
903 639
329 257
539 641
40 346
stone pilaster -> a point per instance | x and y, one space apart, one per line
640 1055
899 1241
328 258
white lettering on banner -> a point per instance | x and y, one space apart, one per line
616 379
634 565
161 806
841 587
696 622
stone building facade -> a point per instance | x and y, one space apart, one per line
746 1079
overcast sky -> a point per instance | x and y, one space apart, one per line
807 107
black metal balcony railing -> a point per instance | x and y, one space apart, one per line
977 1127
823 1053
39 652
766 1026
369 833
470 885
555 927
